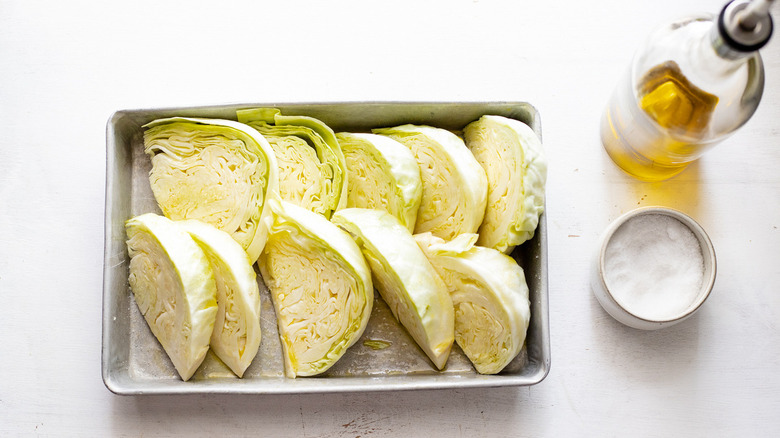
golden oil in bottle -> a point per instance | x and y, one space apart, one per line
655 133
691 84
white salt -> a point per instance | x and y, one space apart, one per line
654 266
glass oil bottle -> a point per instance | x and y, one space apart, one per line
692 84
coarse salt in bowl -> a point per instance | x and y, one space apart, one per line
655 267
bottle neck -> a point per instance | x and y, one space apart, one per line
713 56
723 48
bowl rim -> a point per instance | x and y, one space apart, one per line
708 253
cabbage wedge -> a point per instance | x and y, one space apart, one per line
382 174
490 295
405 279
312 171
320 286
174 288
516 168
218 171
236 336
454 185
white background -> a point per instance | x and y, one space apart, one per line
65 67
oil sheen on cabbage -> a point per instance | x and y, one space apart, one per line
655 132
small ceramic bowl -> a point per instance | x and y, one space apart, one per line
619 310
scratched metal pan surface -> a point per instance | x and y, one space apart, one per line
133 362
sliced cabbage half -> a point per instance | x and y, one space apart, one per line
454 185
174 288
312 171
516 168
320 286
218 171
405 278
490 295
236 335
382 174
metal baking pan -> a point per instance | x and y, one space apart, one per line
133 362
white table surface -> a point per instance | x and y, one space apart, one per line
66 66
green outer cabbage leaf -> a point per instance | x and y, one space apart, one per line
174 288
490 295
404 277
312 170
516 168
382 174
218 171
454 185
236 335
320 286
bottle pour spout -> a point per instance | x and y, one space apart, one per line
745 25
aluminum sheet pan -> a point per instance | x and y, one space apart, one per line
133 362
